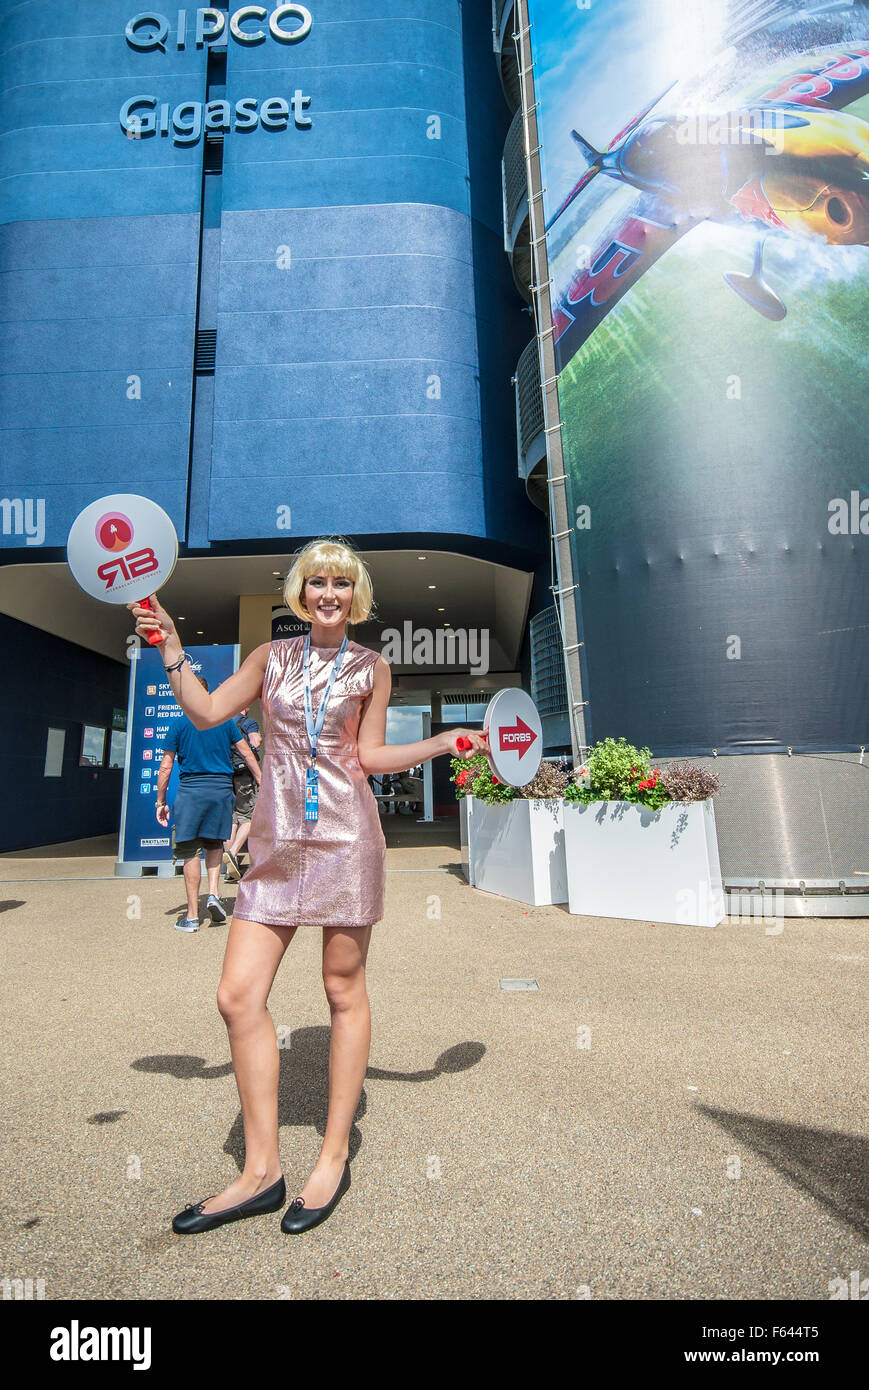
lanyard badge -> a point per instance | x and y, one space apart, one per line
312 793
312 777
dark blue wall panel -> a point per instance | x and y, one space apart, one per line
56 684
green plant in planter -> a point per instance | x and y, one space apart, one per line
474 777
617 771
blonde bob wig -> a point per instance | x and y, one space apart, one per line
329 555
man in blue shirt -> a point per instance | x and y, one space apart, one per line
203 805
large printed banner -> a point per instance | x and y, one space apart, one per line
706 173
152 707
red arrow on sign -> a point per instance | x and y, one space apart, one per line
517 737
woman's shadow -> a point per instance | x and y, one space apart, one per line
303 1083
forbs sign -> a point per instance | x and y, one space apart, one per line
515 737
144 115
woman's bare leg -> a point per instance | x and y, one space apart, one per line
253 953
345 951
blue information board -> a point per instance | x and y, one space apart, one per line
151 710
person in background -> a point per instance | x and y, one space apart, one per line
203 805
245 788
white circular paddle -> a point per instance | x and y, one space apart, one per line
121 549
515 736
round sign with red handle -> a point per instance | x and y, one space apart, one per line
121 549
515 737
512 726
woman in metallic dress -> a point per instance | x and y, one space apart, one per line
317 857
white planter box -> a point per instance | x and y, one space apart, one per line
659 866
515 849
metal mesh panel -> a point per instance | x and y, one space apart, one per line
515 178
529 395
509 64
548 684
779 818
520 261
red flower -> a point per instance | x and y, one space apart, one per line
582 771
462 778
495 782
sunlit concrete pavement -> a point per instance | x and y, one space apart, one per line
673 1114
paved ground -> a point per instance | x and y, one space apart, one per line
700 1139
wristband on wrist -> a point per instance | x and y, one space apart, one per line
180 662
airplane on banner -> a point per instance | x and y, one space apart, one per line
791 161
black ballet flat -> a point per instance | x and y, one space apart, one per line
193 1218
298 1217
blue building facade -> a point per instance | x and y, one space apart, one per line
331 262
252 265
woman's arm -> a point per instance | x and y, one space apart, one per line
377 756
205 709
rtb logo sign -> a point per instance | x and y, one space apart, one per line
114 532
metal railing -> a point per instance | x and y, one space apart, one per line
529 397
548 684
500 7
515 175
559 519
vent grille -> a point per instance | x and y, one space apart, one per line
206 350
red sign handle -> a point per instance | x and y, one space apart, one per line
155 636
463 743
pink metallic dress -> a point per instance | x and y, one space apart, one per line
331 871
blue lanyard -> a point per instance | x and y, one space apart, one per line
314 730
